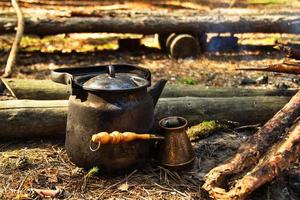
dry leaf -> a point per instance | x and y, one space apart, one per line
23 197
123 187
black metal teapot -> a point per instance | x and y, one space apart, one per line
108 98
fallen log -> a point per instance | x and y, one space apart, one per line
36 89
25 118
48 90
138 22
200 91
270 166
195 109
29 118
250 152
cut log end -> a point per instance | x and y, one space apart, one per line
184 46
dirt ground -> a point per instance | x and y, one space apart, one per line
44 164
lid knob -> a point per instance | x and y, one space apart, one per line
111 71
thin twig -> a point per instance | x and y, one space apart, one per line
21 184
252 126
117 183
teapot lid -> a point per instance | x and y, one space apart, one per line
113 81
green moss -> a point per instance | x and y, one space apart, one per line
203 129
188 81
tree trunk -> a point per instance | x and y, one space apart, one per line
151 22
48 90
29 118
250 152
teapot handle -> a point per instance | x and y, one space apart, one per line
117 137
59 76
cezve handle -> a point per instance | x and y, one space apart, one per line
117 137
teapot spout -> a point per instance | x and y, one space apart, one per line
156 90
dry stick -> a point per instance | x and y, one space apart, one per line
117 183
249 153
281 68
14 49
277 160
21 184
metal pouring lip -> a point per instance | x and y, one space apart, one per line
180 119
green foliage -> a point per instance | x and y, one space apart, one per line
92 172
188 81
203 129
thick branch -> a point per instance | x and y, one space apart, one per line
281 68
278 159
249 153
272 164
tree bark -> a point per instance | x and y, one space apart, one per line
270 166
278 159
30 118
254 110
48 90
145 23
25 118
249 153
200 91
36 89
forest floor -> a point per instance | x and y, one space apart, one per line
38 57
44 164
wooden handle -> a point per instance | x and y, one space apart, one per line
116 137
